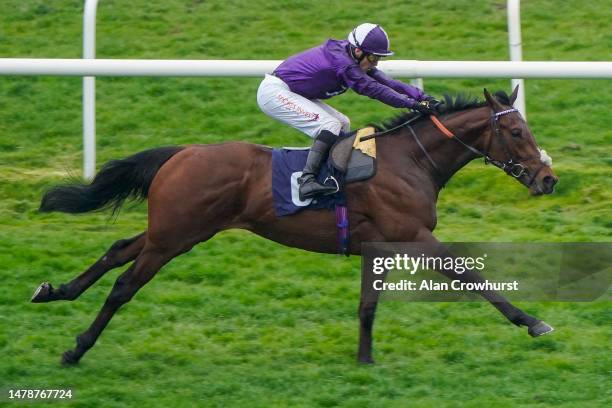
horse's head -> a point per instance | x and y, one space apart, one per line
513 148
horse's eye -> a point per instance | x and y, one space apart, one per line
516 132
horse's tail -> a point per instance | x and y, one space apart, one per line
118 180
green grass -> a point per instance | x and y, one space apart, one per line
241 321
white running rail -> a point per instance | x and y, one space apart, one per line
256 68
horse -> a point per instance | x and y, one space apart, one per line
196 191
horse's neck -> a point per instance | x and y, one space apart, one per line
449 155
471 126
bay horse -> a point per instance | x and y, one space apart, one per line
196 191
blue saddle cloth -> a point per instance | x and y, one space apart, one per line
287 166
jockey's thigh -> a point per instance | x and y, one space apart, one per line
344 120
276 100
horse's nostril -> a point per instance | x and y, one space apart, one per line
549 181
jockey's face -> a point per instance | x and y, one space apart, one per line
370 61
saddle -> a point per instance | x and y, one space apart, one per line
353 157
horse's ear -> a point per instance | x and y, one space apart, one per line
493 103
514 95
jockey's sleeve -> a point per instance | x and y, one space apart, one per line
363 84
398 86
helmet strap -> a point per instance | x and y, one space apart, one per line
357 44
354 54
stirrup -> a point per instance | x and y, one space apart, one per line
332 178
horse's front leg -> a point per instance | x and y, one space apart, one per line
512 313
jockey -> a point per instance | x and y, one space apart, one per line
292 93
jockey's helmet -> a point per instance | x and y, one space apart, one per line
371 39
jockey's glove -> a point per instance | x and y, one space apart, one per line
425 107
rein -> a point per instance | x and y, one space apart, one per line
386 132
414 135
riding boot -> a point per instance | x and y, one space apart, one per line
309 186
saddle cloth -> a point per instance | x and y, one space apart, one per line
350 160
287 165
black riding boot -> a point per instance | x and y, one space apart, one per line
309 187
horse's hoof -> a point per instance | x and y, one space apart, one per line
42 293
69 358
540 329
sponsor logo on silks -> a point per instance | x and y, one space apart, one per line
289 104
338 92
295 191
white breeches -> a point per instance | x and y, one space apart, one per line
309 116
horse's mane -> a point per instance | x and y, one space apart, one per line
451 104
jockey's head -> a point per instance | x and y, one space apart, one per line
369 41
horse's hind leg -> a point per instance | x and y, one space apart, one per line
120 253
150 260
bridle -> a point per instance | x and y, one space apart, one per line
511 167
